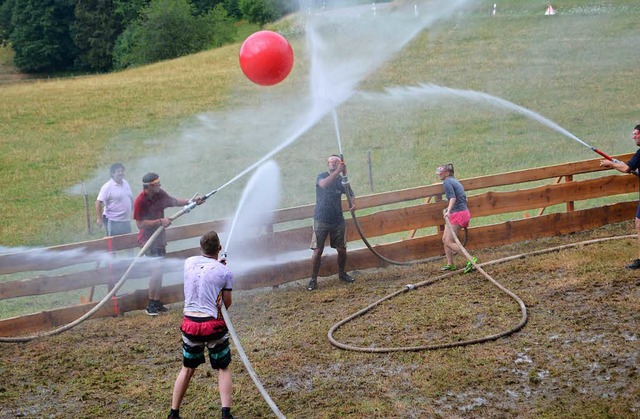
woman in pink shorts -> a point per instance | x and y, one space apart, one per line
456 211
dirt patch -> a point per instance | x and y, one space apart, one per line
577 356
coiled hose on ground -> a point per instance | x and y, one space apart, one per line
478 267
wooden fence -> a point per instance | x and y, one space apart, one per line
388 216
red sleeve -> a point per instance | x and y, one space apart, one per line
138 208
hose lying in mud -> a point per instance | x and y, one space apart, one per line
478 267
247 364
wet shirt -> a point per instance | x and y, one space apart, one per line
204 280
329 201
634 163
146 208
453 189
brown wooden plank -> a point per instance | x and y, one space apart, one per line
412 249
382 223
429 246
40 285
51 319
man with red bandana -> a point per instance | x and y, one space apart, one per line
148 211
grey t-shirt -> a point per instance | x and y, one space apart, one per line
453 189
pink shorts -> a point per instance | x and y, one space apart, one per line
460 218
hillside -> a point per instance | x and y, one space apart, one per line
182 117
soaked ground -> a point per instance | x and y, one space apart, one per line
577 355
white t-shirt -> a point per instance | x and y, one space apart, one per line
204 280
117 200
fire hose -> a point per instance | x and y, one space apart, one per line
478 267
349 194
187 208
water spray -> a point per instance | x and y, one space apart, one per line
337 127
349 193
435 90
345 178
98 306
222 257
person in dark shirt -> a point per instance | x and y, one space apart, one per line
328 219
630 167
148 211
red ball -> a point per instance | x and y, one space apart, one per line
266 58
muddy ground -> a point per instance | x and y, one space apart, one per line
576 357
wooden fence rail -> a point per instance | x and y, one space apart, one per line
409 212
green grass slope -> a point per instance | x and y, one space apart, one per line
576 68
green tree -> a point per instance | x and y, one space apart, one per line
123 50
257 11
263 11
233 9
6 11
169 29
96 28
221 27
205 6
41 35
128 11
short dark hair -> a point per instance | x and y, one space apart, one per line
210 243
149 177
114 167
637 128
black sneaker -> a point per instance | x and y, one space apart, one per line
634 265
172 416
159 307
151 309
345 277
313 284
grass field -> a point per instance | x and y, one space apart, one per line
184 117
577 357
198 122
